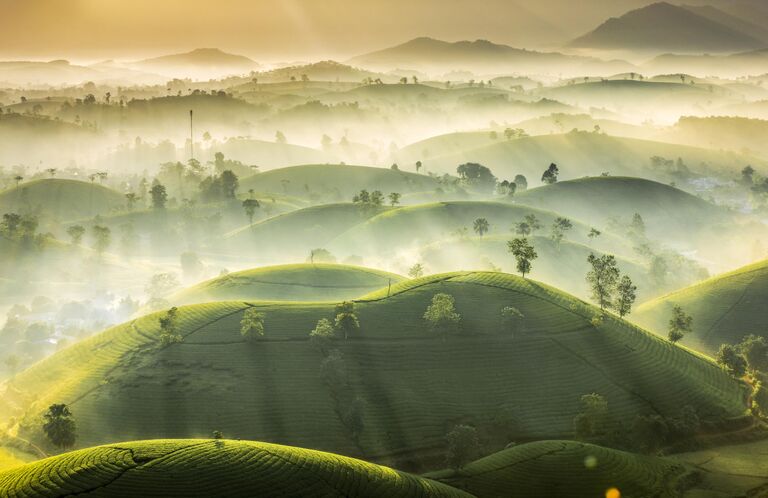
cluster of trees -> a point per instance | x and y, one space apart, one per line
375 199
333 368
22 229
610 290
748 356
645 433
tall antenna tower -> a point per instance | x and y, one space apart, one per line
191 137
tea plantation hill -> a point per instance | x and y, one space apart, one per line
410 227
578 154
61 200
667 211
568 468
413 386
724 308
206 468
337 182
562 265
296 233
297 282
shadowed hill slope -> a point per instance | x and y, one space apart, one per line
412 386
724 308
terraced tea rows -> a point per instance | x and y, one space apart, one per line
414 386
205 468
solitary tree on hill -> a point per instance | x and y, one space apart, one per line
559 227
252 325
322 335
102 238
250 206
441 315
416 271
524 254
131 198
550 175
159 195
346 319
533 222
169 327
462 446
418 166
521 182
680 324
593 234
394 198
59 426
76 233
481 226
603 279
626 293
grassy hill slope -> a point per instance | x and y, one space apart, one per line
563 266
60 199
583 154
411 227
412 386
204 468
724 308
294 234
299 282
560 468
336 182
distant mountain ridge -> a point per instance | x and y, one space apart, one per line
430 53
201 57
666 27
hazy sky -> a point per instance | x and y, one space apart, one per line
282 29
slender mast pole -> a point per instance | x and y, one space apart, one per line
191 137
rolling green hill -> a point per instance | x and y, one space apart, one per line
299 282
294 234
581 154
564 266
410 227
204 468
409 386
336 182
562 468
60 199
667 211
724 308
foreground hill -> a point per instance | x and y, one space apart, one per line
581 154
665 27
300 282
60 199
337 182
404 386
204 468
724 308
561 468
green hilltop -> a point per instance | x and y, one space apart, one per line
337 182
724 308
204 468
580 154
296 282
61 199
413 226
411 385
